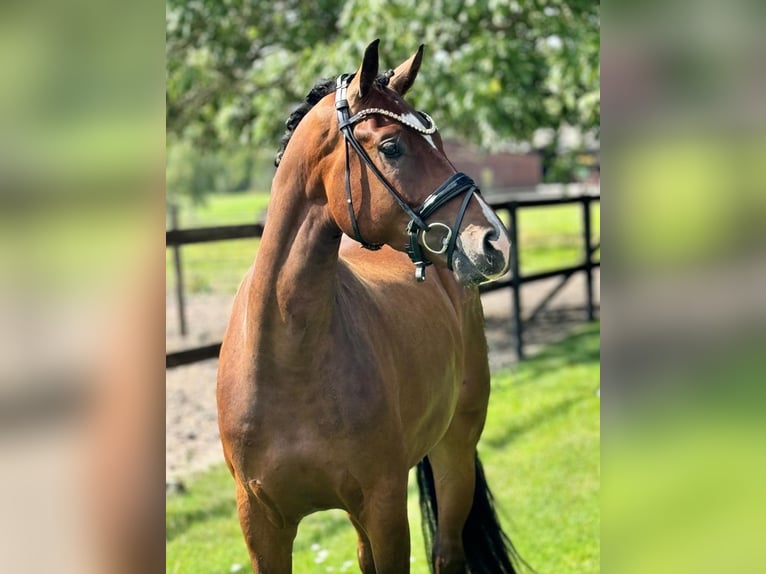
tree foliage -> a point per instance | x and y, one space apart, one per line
494 70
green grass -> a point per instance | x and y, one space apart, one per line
217 266
540 450
550 237
224 209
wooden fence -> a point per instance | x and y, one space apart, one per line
511 202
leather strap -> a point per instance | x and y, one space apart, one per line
346 126
458 183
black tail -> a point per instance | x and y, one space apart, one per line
488 550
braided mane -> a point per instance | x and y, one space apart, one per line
319 91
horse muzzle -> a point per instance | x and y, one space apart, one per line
483 254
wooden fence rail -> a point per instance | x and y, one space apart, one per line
177 237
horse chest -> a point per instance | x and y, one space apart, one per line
318 403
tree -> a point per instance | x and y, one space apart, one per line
494 71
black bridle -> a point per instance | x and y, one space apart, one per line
457 184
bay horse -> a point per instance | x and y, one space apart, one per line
339 370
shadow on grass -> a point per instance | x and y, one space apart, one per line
513 432
580 348
551 332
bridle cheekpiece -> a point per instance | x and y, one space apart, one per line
457 184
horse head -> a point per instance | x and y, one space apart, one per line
386 179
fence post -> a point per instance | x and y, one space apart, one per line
179 272
588 256
516 282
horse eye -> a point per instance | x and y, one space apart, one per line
390 149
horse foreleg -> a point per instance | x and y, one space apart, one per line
364 548
384 519
270 545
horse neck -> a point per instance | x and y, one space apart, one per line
292 294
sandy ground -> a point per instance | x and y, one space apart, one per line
191 429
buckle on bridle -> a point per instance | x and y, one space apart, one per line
420 271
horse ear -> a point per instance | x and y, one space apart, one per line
404 75
366 74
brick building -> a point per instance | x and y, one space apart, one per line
501 170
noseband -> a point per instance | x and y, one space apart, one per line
458 183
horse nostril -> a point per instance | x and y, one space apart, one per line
489 240
495 241
496 251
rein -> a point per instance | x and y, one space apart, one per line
417 227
